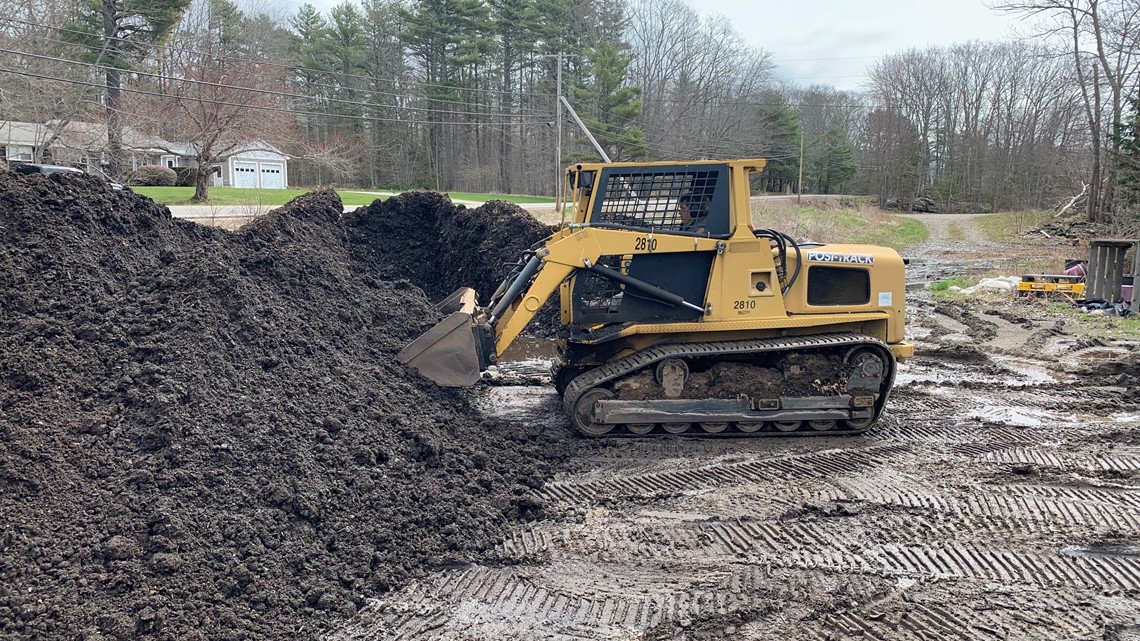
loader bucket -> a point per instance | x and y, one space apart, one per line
461 300
449 353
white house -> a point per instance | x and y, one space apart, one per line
82 144
20 140
257 165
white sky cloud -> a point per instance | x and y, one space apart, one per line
834 41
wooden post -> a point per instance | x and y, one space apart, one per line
1106 268
1135 278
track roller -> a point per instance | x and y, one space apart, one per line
583 415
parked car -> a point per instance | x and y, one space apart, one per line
37 168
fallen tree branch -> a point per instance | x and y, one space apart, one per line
1084 188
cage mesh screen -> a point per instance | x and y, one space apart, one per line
653 199
598 293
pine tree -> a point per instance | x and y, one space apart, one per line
119 34
781 142
344 49
832 161
610 108
517 24
1128 162
447 38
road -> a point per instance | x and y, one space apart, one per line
231 216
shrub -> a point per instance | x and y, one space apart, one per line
154 176
187 176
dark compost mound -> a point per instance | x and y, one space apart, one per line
205 435
441 247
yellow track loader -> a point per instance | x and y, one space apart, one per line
680 316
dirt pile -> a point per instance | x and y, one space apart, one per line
440 246
204 434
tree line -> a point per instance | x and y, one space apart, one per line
462 95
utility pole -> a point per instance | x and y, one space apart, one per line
558 145
800 181
558 129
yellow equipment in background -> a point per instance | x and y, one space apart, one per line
1051 284
678 315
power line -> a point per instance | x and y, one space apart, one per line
815 59
269 92
749 103
310 83
295 69
265 108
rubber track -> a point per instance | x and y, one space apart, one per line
646 357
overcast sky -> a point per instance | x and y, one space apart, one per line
852 34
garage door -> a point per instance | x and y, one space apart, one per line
245 174
272 175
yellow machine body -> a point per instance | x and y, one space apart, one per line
638 283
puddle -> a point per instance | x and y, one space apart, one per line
1101 354
1102 551
1018 373
529 404
1014 416
1029 371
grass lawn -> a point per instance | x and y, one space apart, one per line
233 196
855 222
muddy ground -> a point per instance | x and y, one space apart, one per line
204 434
998 498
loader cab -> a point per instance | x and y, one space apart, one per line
691 199
653 197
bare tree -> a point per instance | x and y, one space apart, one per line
700 82
119 34
1101 38
38 83
213 99
994 124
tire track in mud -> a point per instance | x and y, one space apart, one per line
1024 619
527 602
649 533
921 623
813 465
807 546
1054 458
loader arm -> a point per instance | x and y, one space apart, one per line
462 345
581 248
